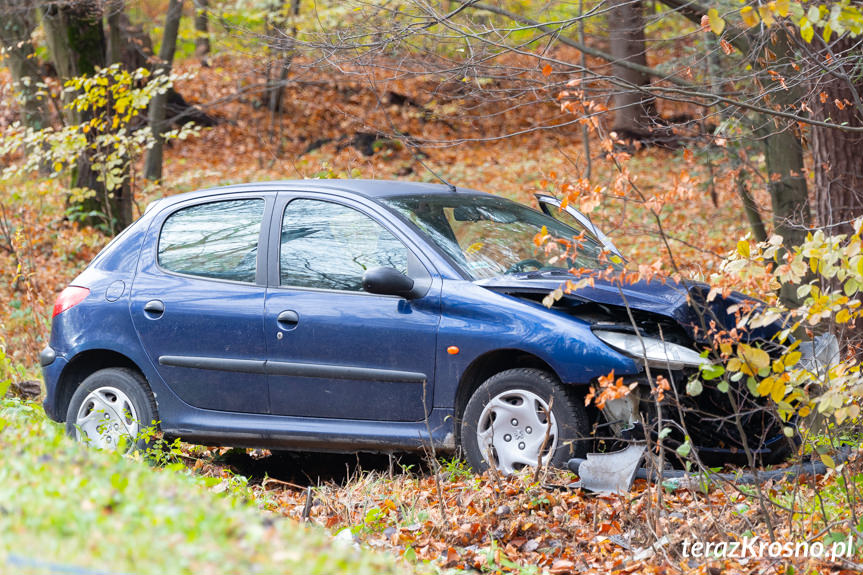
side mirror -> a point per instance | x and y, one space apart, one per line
388 281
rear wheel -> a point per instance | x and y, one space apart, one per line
508 424
111 408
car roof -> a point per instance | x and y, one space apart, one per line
365 188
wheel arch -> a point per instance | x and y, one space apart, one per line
85 364
489 364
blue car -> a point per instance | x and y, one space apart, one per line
346 315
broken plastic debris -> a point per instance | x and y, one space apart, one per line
608 472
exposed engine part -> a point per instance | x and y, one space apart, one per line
622 413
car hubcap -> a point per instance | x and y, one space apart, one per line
106 416
513 428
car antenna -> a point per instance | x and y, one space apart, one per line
451 187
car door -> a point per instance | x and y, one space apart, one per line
197 301
335 351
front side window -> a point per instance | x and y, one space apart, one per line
217 240
330 246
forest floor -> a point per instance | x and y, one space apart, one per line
456 519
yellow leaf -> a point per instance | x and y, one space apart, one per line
765 386
778 391
781 7
807 32
828 461
843 316
749 16
778 366
753 357
717 24
792 357
840 415
804 411
766 15
743 248
813 265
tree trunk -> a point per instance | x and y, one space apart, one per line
18 23
837 156
783 156
277 87
750 208
153 162
122 197
783 148
202 33
115 31
634 110
76 38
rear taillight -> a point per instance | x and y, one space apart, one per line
69 297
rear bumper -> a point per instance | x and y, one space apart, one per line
51 374
47 356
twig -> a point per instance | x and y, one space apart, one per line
545 439
307 509
434 462
280 482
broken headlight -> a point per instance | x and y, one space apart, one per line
654 352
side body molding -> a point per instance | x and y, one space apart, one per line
293 369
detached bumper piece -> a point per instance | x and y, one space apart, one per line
608 472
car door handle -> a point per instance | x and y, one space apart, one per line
154 307
288 317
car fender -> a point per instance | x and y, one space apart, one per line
478 321
115 333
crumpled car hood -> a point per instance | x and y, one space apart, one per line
665 298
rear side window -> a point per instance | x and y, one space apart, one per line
329 246
217 240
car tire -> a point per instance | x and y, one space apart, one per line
111 404
520 396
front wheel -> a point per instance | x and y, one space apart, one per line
111 408
508 424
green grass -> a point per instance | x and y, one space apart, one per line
66 508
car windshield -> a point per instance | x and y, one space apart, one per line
489 236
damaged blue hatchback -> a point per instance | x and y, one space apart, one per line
345 315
